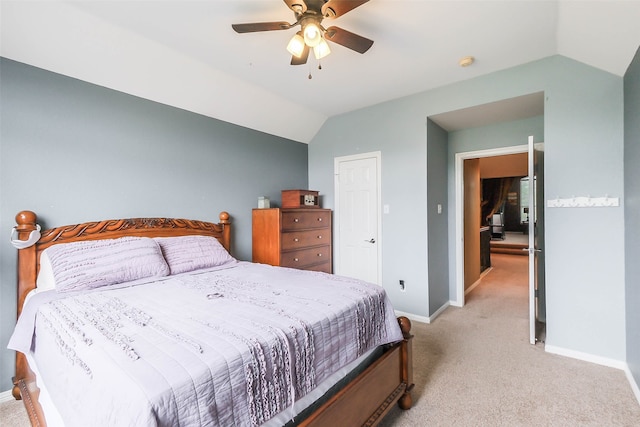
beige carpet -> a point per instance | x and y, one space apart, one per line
474 366
13 414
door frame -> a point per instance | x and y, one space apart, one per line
459 207
377 155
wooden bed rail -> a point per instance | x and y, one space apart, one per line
371 395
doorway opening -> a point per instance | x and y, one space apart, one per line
501 222
461 210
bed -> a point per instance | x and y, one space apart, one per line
182 342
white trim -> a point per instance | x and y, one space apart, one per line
532 258
459 208
477 282
439 311
336 205
413 317
423 319
6 396
632 382
598 360
472 287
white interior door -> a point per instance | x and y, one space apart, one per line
536 280
357 218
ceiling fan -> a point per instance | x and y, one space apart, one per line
312 35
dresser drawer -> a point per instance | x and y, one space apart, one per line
325 267
306 238
305 257
299 220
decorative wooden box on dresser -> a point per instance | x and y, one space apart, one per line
298 238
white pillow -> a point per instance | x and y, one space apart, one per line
95 263
45 280
187 253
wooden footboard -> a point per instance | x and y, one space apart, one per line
368 398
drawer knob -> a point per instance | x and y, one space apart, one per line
319 254
319 237
295 259
296 220
320 219
296 240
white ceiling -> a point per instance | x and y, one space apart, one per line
185 54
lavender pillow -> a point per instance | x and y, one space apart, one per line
95 263
188 253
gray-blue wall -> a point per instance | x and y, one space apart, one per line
74 152
437 222
583 135
632 212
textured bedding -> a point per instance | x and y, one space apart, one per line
231 346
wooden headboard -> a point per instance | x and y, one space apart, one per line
29 258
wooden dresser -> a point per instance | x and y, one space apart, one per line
298 238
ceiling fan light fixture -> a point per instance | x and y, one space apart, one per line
312 34
296 45
322 49
309 15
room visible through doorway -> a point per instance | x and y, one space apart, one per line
496 238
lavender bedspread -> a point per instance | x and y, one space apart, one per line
230 347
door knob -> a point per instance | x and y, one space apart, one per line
371 241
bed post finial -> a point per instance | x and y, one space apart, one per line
226 231
26 221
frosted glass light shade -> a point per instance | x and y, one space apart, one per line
312 34
322 49
296 45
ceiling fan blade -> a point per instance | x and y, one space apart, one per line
303 58
335 8
298 6
261 26
348 39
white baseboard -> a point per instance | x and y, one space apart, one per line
605 361
634 384
411 316
423 319
477 282
6 396
439 311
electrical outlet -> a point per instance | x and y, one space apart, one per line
401 285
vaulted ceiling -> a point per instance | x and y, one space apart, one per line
185 53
